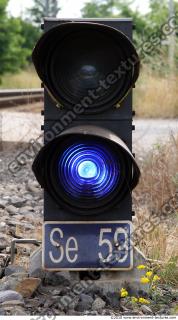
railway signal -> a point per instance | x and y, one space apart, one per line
86 167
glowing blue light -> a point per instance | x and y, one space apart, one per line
87 169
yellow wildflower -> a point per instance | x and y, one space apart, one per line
134 299
141 266
153 287
156 278
143 300
144 280
149 274
124 293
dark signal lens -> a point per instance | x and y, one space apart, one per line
75 59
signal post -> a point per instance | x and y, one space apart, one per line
86 167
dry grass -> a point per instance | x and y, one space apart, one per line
24 79
169 272
157 187
156 96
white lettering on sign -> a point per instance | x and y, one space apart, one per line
107 242
68 248
56 244
124 245
71 249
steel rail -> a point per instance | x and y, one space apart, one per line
15 97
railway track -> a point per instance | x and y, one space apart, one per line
16 97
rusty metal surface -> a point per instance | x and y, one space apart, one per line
21 241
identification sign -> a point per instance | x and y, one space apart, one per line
86 245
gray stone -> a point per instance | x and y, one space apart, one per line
73 313
132 313
2 237
38 208
49 303
28 227
55 312
20 217
2 312
2 226
11 282
4 240
56 292
26 209
5 217
9 295
7 198
8 249
90 313
3 203
15 311
33 186
84 303
11 209
146 309
28 196
12 223
98 304
11 269
60 279
73 303
13 303
25 225
64 302
17 201
113 299
66 291
123 303
164 311
40 194
29 216
33 303
107 312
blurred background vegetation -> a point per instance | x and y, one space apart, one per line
157 80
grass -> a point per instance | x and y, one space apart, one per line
158 186
24 79
169 272
156 96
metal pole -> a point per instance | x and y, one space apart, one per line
46 8
171 39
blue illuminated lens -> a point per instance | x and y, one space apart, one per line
88 171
